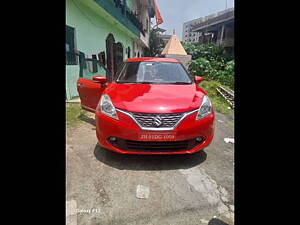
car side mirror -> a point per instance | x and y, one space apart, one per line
99 79
198 79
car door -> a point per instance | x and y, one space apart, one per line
89 92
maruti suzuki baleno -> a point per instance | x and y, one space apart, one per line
153 106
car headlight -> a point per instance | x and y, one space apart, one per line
205 109
106 107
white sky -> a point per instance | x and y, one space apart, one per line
176 12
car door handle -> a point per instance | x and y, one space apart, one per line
79 85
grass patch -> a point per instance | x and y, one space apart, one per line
219 103
73 112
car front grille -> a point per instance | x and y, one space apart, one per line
155 146
166 120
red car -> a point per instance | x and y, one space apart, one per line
152 107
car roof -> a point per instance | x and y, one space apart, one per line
152 59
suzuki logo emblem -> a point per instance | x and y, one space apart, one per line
157 121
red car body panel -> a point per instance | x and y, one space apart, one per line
126 128
89 93
146 98
155 98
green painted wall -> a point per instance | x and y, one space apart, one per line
130 4
92 25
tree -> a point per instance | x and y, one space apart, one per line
156 43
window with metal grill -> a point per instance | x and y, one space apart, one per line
71 58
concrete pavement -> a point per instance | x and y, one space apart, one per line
103 187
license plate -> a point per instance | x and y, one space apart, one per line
157 137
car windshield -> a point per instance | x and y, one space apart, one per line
153 73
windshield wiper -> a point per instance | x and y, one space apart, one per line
146 82
179 83
150 82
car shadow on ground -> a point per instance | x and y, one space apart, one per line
148 162
87 119
216 221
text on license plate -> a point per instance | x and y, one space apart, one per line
157 137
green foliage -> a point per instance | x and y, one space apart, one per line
73 113
219 103
211 62
156 43
207 51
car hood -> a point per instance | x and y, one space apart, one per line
155 98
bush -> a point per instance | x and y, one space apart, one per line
211 62
210 52
214 70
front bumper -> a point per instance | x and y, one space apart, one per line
125 129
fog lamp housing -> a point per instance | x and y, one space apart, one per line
199 139
112 139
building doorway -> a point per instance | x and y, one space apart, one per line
118 56
114 55
110 40
128 52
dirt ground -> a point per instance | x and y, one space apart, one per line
107 188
